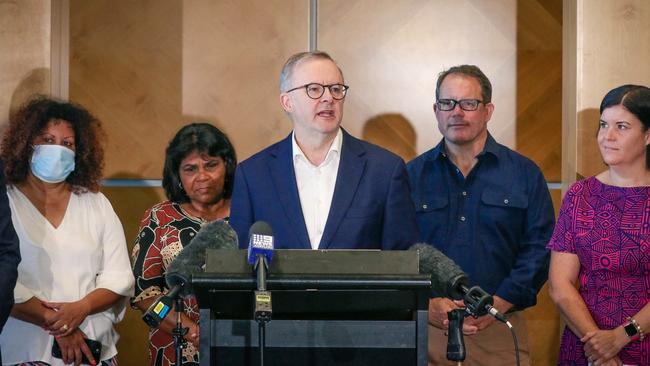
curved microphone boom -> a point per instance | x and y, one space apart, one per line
449 280
215 235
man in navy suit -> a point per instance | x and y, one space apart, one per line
9 255
321 188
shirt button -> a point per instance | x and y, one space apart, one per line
462 218
464 193
506 201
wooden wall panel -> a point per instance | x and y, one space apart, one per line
25 33
130 204
391 53
146 68
125 66
544 319
539 84
233 52
613 48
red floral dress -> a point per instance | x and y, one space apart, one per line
165 230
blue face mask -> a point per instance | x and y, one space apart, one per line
52 163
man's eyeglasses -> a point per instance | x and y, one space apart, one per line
315 90
465 104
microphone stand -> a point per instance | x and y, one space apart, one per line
455 340
179 332
263 309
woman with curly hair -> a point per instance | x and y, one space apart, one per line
75 271
198 176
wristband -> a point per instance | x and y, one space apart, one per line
633 329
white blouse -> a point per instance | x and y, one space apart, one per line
86 252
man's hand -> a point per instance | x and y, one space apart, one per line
485 321
481 322
438 309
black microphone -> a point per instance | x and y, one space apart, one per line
215 235
260 254
449 280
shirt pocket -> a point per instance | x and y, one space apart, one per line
432 217
503 209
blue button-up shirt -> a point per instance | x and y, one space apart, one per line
494 223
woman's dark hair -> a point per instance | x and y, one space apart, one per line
30 120
203 138
634 98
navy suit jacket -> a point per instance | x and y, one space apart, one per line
371 206
9 254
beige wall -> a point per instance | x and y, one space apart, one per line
391 53
607 44
25 36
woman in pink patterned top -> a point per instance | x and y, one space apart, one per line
198 176
602 243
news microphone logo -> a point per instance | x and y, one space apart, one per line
260 243
263 241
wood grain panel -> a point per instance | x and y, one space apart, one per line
24 53
539 84
125 66
130 204
233 52
544 327
613 48
391 53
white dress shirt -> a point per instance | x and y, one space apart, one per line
316 186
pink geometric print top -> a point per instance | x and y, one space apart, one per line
608 228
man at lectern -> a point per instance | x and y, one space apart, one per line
486 207
321 188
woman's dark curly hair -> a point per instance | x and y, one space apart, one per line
203 138
30 120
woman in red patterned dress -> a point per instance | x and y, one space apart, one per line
198 176
602 242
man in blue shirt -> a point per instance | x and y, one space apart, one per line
486 207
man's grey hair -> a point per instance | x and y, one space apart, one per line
471 71
293 61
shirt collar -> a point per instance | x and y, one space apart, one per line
335 148
491 147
